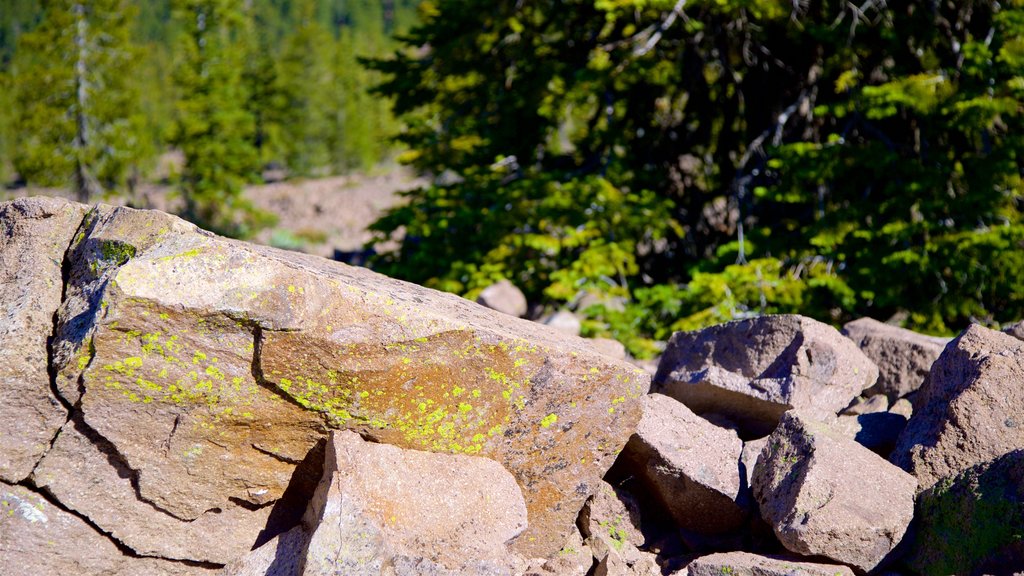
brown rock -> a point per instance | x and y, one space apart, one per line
972 524
903 407
1016 330
749 456
96 485
903 357
971 410
39 539
283 555
610 521
36 233
825 495
876 431
212 366
574 559
754 370
747 564
609 347
690 465
377 503
869 405
505 298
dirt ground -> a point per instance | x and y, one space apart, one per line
318 216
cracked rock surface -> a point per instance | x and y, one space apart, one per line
188 375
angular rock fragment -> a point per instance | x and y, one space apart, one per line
973 523
505 298
748 457
869 405
213 366
754 370
574 559
1016 330
610 522
747 564
34 234
826 495
39 539
283 555
903 407
971 410
876 431
903 357
97 486
378 503
690 465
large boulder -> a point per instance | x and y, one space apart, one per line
747 564
379 505
753 370
973 523
825 495
34 234
505 298
903 357
971 410
208 368
690 465
38 538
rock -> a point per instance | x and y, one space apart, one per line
39 539
903 357
377 503
869 405
574 559
211 367
747 564
877 431
828 496
903 407
564 321
98 486
748 457
504 297
609 347
970 411
972 523
610 522
1016 330
690 465
35 234
283 555
754 370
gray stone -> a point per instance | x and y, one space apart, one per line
971 411
748 457
903 407
825 495
869 405
747 564
754 370
505 298
1016 330
564 321
609 347
34 234
903 357
690 465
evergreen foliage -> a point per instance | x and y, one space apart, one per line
827 158
78 114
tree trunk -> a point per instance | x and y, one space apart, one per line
86 185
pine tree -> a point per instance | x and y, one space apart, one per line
78 116
214 129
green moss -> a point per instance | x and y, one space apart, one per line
116 252
549 420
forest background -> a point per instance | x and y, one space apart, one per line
651 165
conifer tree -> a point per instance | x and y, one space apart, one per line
214 129
78 116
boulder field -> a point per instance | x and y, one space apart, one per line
176 403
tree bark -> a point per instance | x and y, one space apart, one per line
86 186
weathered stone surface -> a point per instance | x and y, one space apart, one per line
34 234
283 555
574 559
749 456
869 405
610 522
690 465
903 407
1016 330
378 502
98 486
826 495
903 357
747 564
564 321
973 523
754 370
970 411
212 366
609 347
504 297
39 539
876 431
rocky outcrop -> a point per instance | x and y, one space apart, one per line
505 298
825 495
972 523
690 465
35 235
903 357
971 411
747 564
754 370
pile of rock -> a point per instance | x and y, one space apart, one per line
177 403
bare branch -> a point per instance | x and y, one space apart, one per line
667 23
